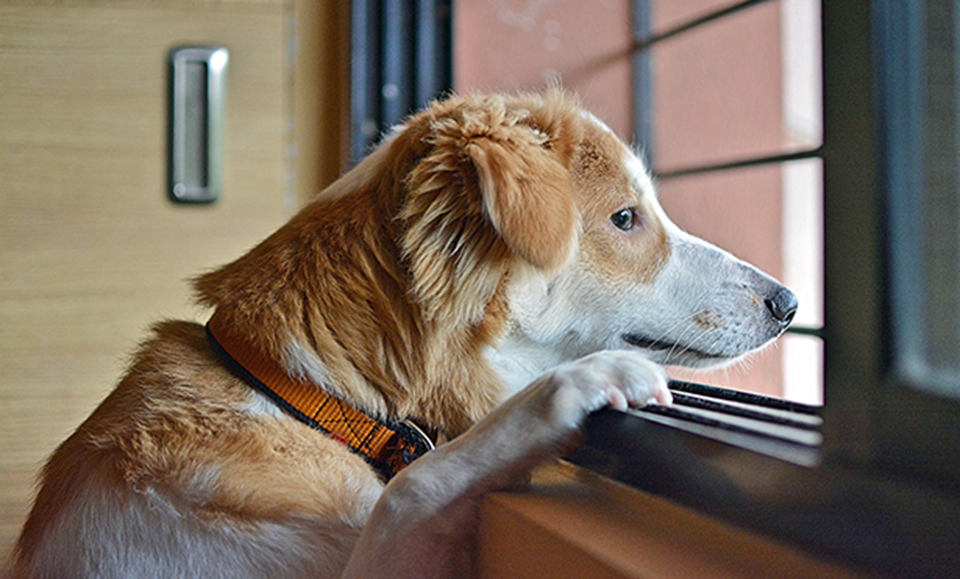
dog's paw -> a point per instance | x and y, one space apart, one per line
619 379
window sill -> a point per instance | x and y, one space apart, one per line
829 508
572 523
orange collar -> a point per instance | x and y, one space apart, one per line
387 446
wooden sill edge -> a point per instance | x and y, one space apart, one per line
572 523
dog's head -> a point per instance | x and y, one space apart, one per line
572 214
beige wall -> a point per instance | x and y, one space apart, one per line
91 251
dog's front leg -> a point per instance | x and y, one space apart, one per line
425 523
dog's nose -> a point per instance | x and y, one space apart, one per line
783 305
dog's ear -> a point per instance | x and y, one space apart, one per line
528 196
489 187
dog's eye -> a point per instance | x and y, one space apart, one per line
624 219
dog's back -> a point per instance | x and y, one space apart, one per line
176 474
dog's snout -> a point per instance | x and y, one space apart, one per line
783 305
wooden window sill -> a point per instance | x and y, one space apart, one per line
572 523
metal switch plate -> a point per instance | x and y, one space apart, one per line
197 91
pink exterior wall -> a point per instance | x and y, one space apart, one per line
717 92
667 14
510 45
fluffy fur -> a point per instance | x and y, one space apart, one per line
497 269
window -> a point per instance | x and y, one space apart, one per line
924 226
883 491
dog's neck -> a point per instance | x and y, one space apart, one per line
518 360
349 324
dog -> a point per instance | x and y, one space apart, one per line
495 270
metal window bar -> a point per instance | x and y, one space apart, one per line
400 61
772 427
814 153
642 80
647 40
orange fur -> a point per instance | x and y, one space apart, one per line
605 189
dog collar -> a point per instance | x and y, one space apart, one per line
387 446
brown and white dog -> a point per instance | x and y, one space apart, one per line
495 270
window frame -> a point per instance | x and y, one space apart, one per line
880 419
